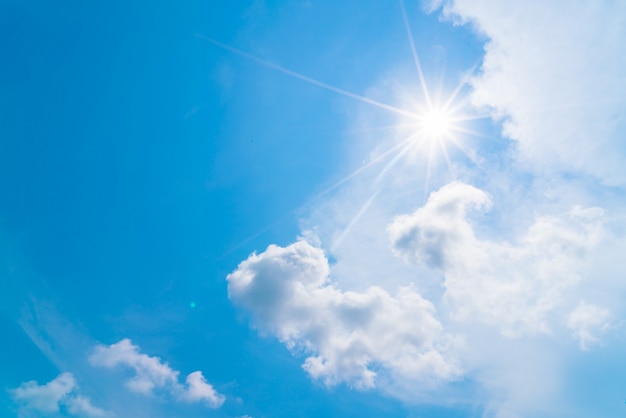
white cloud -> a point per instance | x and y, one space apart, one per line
587 320
199 390
514 286
556 71
350 337
59 392
81 406
46 398
432 233
151 373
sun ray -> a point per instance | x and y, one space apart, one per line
354 220
469 118
444 150
440 83
393 162
359 170
467 131
429 163
307 78
457 90
415 56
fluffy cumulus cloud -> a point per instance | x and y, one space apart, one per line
60 394
198 389
151 374
516 286
556 72
349 336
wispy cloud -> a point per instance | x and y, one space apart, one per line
151 374
586 322
60 394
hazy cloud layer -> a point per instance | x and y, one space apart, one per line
151 373
515 286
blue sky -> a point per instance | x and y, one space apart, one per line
305 208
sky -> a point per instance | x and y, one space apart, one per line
262 208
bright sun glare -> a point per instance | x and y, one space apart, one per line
435 124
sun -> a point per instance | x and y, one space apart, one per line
432 123
435 124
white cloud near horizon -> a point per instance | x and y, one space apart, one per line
152 374
50 398
348 337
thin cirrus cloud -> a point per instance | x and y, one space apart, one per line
59 394
152 374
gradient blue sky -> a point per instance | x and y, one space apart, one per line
141 164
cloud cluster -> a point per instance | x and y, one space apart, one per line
556 72
515 286
350 337
60 393
151 373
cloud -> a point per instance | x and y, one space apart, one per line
554 71
51 397
199 390
81 406
430 234
514 286
350 337
585 320
46 398
151 373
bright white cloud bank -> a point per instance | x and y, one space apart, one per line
151 373
556 71
56 395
